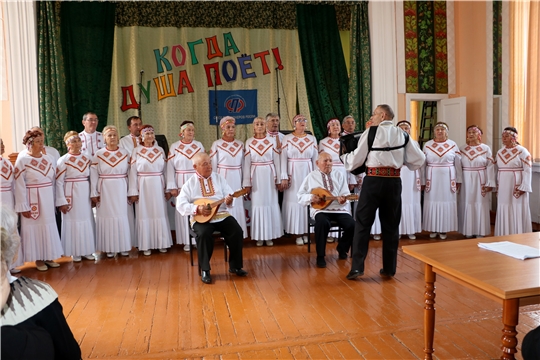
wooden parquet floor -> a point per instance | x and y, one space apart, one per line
156 307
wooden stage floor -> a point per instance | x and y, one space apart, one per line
156 307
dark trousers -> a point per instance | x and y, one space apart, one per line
322 227
383 193
230 231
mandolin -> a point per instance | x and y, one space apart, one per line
327 198
214 206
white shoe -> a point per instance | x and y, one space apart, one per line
442 236
269 243
147 252
124 253
15 271
52 264
40 265
89 257
305 239
76 258
299 241
433 235
412 236
330 239
186 248
377 237
110 254
164 250
260 243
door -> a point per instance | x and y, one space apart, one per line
454 113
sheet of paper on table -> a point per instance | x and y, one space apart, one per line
514 250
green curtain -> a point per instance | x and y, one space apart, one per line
87 41
360 72
324 65
53 112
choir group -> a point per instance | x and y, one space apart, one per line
112 193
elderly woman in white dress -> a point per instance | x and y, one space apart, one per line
441 182
411 210
34 200
514 164
298 157
147 191
262 177
109 192
478 181
227 156
179 170
73 200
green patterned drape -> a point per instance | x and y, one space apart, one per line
497 47
51 78
360 73
87 43
325 71
426 59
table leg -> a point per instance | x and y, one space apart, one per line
429 312
510 321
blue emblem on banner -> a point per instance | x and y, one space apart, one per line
240 104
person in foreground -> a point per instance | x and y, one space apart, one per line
33 325
211 187
381 188
338 210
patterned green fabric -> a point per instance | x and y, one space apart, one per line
426 59
325 71
497 47
219 14
360 71
51 77
87 43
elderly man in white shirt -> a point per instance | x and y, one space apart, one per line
211 187
381 188
91 139
316 186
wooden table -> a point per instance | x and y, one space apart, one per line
509 281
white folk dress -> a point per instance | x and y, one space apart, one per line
34 192
411 210
7 196
473 200
228 160
147 180
298 157
109 181
73 189
262 173
376 227
442 171
514 173
179 170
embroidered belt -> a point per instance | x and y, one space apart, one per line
33 197
254 164
441 165
229 167
473 168
257 163
76 179
112 176
185 171
449 165
68 192
511 169
299 159
150 174
383 171
5 188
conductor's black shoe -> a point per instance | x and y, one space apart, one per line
206 278
342 255
239 272
353 274
321 263
386 273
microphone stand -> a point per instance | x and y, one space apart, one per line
140 95
216 106
278 101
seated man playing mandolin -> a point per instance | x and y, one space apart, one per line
206 196
327 192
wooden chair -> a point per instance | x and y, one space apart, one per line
311 224
193 236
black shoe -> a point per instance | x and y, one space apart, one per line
385 273
353 274
343 255
206 278
321 263
239 272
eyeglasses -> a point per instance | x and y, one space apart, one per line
301 120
